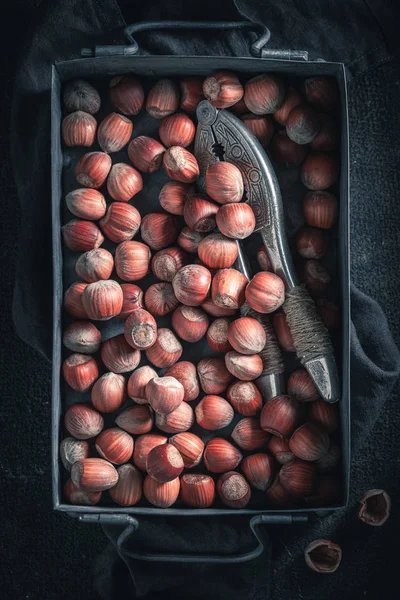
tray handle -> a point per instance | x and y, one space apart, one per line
255 47
131 525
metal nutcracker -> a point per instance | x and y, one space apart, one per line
222 136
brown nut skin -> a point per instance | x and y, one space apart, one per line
191 93
236 221
217 251
262 127
181 165
114 132
121 222
72 450
146 154
190 323
173 196
124 182
82 337
81 95
177 130
137 383
265 292
191 284
197 490
285 151
102 300
118 356
259 469
309 442
282 332
81 236
278 496
217 335
217 311
136 420
323 556
213 375
279 448
325 414
222 89
164 394
316 277
161 495
233 490
79 129
322 92
74 495
328 137
298 477
109 392
83 422
92 169
159 230
127 95
160 299
213 413
245 398
224 183
291 100
320 170
320 209
281 416
128 490
185 372
199 213
180 419
311 243
301 386
166 263
246 335
80 372
190 447
221 456
162 99
133 299
242 366
140 329
374 507
132 260
248 434
189 240
95 265
264 94
86 203
143 445
94 475
228 288
166 350
303 125
164 463
115 445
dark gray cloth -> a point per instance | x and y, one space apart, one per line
327 30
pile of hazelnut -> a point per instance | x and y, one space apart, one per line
282 448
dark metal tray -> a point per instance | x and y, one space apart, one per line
105 63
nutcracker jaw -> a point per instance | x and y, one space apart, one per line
222 136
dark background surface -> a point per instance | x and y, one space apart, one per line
49 556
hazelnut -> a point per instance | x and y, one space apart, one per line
114 132
80 372
109 392
127 95
81 95
79 129
102 300
222 89
82 337
162 99
92 169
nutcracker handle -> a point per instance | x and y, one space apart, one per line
256 47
